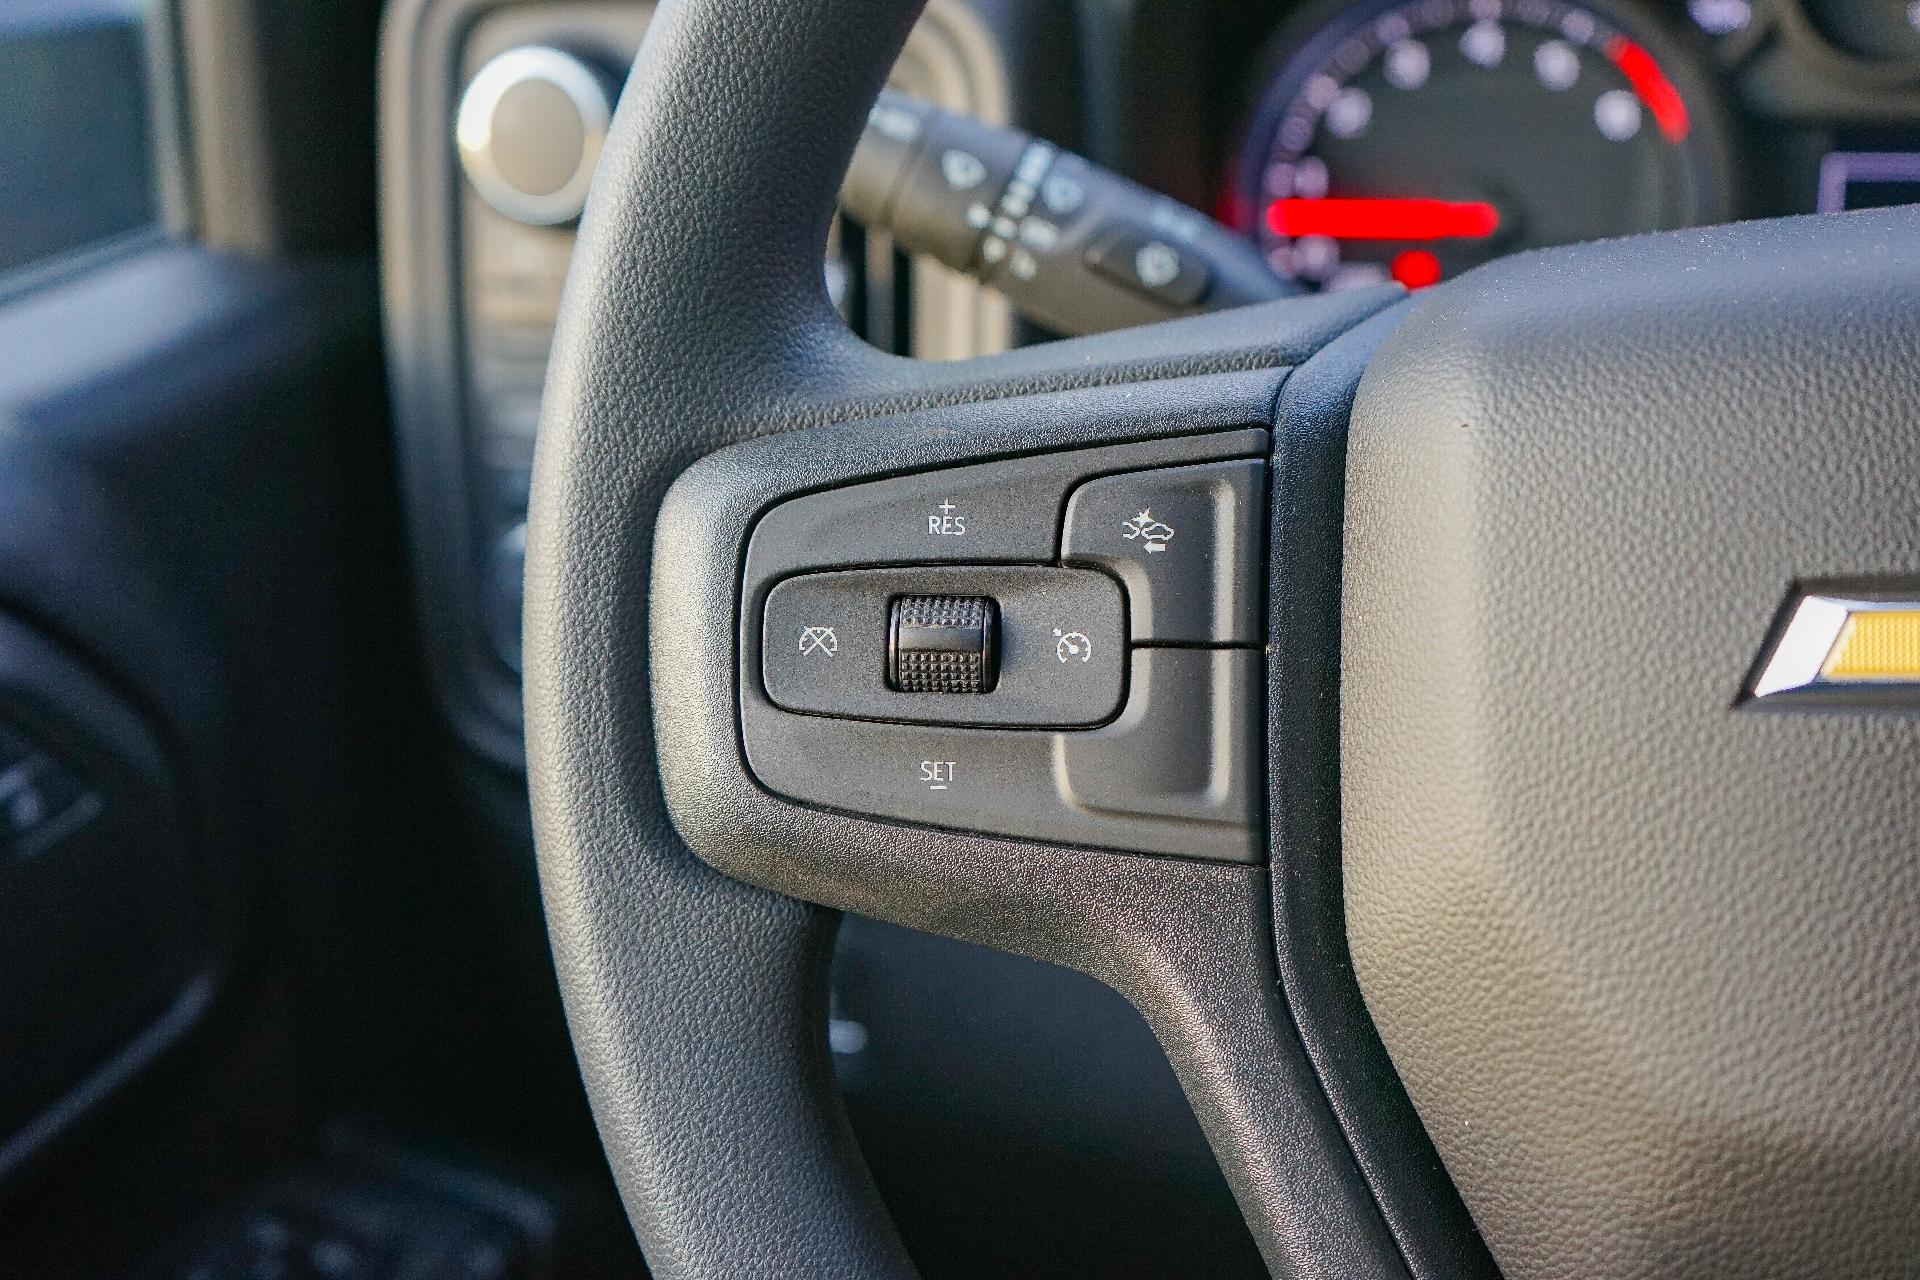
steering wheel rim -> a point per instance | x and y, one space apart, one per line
625 894
752 964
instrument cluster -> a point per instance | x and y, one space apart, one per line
1414 139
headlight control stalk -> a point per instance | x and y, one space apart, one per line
1074 247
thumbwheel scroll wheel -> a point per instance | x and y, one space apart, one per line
942 644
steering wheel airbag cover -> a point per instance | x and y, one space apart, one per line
1647 960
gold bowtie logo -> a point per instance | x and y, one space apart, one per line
1838 644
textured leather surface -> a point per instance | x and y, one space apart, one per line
1648 962
696 316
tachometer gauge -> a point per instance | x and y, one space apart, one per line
1410 141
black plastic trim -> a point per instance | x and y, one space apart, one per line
420 47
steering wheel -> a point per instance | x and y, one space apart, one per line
1559 939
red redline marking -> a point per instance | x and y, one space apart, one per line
1653 87
1416 268
1383 219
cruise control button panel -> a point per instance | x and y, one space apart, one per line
1064 647
1058 643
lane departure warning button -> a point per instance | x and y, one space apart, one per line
1187 542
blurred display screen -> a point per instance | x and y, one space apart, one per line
1868 180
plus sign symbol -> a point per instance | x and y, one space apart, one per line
946 521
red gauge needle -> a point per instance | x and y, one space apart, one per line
1351 219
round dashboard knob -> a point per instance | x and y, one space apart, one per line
529 129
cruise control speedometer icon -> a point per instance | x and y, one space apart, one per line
1071 645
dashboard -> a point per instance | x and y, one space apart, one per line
1351 141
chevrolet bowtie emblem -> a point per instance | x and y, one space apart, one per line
1837 644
